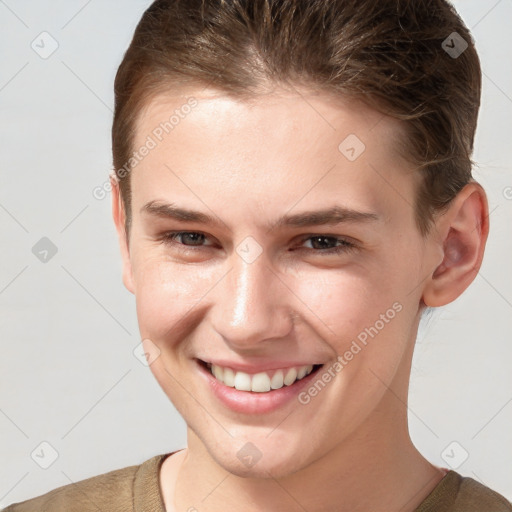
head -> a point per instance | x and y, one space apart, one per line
325 148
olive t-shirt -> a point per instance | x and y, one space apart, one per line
137 489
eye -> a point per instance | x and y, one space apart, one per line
321 244
186 238
325 244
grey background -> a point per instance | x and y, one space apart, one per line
68 328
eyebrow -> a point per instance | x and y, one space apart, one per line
328 216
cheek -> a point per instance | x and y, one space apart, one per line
364 315
344 300
166 296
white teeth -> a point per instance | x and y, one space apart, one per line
277 380
242 381
290 377
218 372
302 371
259 382
229 377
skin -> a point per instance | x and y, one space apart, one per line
247 164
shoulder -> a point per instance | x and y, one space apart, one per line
475 496
115 488
457 493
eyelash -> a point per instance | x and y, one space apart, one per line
346 246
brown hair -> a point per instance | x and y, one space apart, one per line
392 54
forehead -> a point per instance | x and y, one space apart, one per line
280 143
304 111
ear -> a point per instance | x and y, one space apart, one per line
119 216
462 232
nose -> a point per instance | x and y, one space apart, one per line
253 305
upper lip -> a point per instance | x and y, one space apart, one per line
260 366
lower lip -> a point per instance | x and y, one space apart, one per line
250 402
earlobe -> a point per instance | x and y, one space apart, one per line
465 227
119 217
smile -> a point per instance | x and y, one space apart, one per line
262 382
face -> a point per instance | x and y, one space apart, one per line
265 237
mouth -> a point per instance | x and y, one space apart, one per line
260 392
260 382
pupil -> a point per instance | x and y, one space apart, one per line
192 235
322 238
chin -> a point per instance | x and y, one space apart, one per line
264 469
247 461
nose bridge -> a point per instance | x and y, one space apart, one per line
253 303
